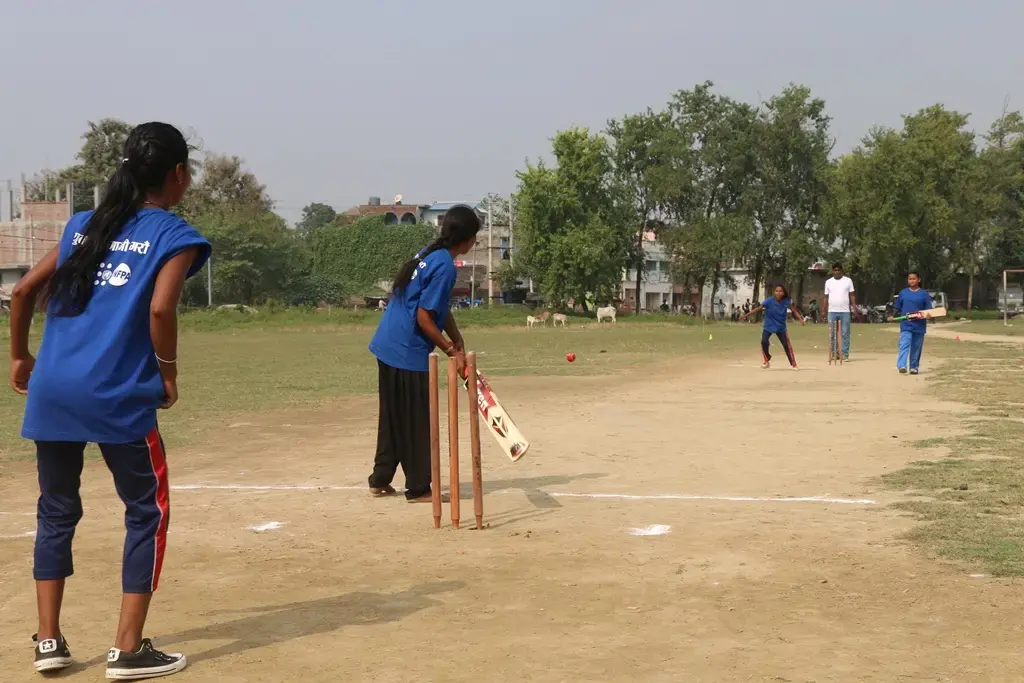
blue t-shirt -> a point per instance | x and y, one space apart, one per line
775 314
909 301
96 377
399 342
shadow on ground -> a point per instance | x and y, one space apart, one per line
275 624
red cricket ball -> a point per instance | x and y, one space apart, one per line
570 356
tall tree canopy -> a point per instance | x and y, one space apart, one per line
574 230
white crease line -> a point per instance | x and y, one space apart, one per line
27 534
19 514
554 494
277 487
733 499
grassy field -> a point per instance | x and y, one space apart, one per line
235 364
971 501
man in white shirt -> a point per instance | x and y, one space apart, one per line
840 301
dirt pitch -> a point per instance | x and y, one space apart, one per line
350 588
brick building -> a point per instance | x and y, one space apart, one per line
26 239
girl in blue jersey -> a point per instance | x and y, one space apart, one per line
107 362
775 309
412 326
911 300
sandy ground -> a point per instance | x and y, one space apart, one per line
350 588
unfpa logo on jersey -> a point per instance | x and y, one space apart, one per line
115 277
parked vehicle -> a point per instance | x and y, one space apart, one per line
1012 301
939 299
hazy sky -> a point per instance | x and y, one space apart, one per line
444 99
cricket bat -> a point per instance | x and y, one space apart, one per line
926 314
498 421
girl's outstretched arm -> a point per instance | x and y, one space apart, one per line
754 311
796 313
23 304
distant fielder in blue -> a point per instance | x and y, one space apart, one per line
911 300
776 308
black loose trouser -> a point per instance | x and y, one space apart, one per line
403 430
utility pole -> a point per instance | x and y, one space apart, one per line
95 196
491 254
511 232
209 282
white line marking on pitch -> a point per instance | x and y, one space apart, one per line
652 530
271 487
27 534
266 526
554 494
732 499
19 514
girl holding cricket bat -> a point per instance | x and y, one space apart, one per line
414 323
775 309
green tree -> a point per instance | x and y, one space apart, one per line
363 257
103 149
573 227
792 147
902 200
1000 242
637 146
224 185
316 216
256 257
703 183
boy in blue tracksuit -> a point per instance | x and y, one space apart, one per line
911 300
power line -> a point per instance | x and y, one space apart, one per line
29 237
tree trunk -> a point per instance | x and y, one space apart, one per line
757 281
714 290
700 289
640 260
799 300
970 289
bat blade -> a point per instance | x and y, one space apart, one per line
926 314
499 423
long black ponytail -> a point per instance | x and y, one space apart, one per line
151 151
460 225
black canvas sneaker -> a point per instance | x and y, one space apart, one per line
51 655
148 662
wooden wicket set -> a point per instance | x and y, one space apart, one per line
835 342
453 441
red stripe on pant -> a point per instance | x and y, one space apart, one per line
789 346
163 501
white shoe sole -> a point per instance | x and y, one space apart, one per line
53 664
152 672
